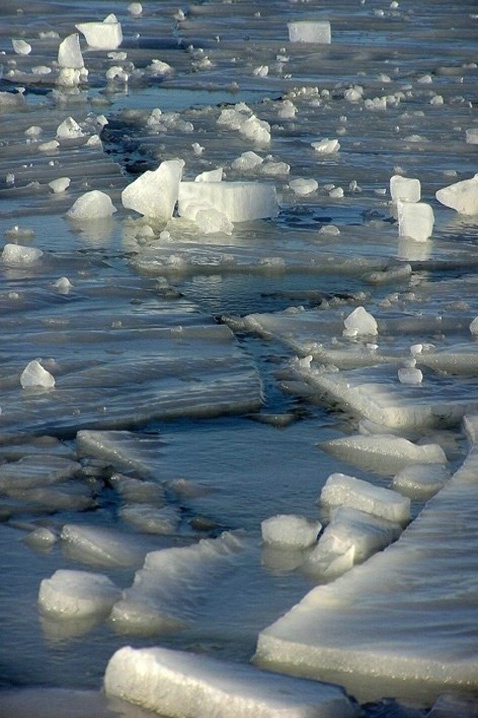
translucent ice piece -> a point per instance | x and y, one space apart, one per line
309 31
461 196
69 53
77 594
415 220
405 189
17 254
91 205
239 201
360 323
155 193
289 530
106 35
34 375
343 490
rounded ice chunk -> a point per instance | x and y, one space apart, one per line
360 323
421 481
155 193
461 196
303 186
291 531
77 594
135 9
326 146
17 254
21 47
92 205
106 35
60 184
34 375
410 375
69 53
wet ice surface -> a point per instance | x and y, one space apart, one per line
168 384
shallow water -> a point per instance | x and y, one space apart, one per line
152 338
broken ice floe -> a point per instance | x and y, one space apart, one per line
77 594
421 481
461 196
19 255
99 546
154 194
315 31
106 35
360 323
172 682
416 626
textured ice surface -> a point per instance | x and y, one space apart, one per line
91 206
344 490
405 189
106 35
100 546
288 530
239 201
77 594
69 53
421 481
176 683
395 618
461 196
415 220
309 31
17 254
155 193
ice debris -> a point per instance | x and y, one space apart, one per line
415 220
290 531
360 323
461 196
91 205
17 254
34 375
77 594
154 193
106 35
69 129
60 184
176 683
70 60
239 201
326 146
21 47
310 31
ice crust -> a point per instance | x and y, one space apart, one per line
402 620
343 490
176 683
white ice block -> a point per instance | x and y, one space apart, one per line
106 35
69 53
34 375
291 531
176 683
461 196
77 594
352 535
239 201
69 129
405 189
343 490
154 194
421 481
317 31
360 323
99 547
303 185
90 206
150 519
415 220
60 184
17 254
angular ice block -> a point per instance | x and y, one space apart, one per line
461 196
415 220
343 490
289 530
106 35
69 53
405 189
155 193
176 683
77 594
239 201
309 31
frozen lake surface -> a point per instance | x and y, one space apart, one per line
178 383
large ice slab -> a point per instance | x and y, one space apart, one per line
176 683
343 490
106 35
404 620
239 201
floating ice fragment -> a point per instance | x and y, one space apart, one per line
287 110
16 254
461 196
420 481
106 35
353 94
50 146
91 205
98 546
393 452
336 193
239 201
415 220
155 193
21 47
247 161
211 221
69 129
326 146
302 186
343 490
176 683
474 326
331 229
309 31
34 375
62 285
69 53
360 323
410 375
471 136
261 71
197 148
116 72
159 68
151 519
60 184
405 189
256 130
77 594
291 531
135 9
210 176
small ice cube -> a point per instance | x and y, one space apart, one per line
360 323
34 375
60 184
415 220
410 375
310 31
405 189
75 594
303 186
91 205
106 35
247 161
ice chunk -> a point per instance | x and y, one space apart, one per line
303 186
239 201
150 519
69 129
360 323
410 375
471 136
405 189
461 196
210 176
351 537
69 53
415 220
256 130
154 194
247 161
291 531
91 205
34 375
106 35
390 452
60 184
211 220
17 254
21 47
176 683
421 481
135 9
77 594
343 490
100 547
326 146
309 31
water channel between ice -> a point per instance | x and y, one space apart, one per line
204 376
